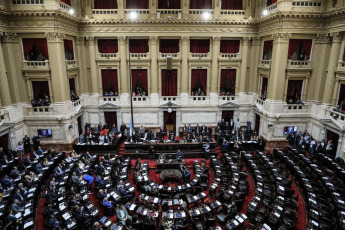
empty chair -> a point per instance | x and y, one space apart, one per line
290 218
204 181
223 215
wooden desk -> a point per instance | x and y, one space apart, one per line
169 164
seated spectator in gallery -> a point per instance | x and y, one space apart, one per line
46 101
337 109
34 103
74 96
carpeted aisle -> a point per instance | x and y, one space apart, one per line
301 222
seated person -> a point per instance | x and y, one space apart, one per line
7 182
107 203
18 196
162 157
38 168
14 172
101 194
16 207
53 222
122 215
27 161
99 181
124 193
186 176
179 155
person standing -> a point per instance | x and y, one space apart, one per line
20 150
36 142
207 150
26 141
238 125
152 153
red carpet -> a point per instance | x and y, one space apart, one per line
301 222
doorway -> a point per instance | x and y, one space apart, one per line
257 124
228 115
169 122
110 118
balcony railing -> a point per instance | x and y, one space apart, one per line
165 55
65 7
272 8
165 99
341 65
200 12
226 98
110 99
225 55
259 101
139 55
168 11
28 2
295 108
199 100
336 115
139 13
4 116
36 65
199 55
78 103
299 64
232 12
306 3
71 63
141 99
266 63
108 55
104 11
41 111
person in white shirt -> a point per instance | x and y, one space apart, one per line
238 125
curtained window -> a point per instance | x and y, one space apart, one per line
230 46
169 45
334 137
199 45
105 4
137 4
169 4
227 82
267 50
110 119
231 5
169 121
270 2
299 49
169 82
107 46
264 85
200 4
228 115
35 49
139 45
109 81
69 53
341 97
71 82
199 81
40 89
294 90
68 2
139 81
4 141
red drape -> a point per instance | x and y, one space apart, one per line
169 4
109 80
137 4
105 4
69 47
228 81
169 82
230 46
199 45
4 141
107 46
72 84
231 5
341 96
199 80
293 46
334 137
80 127
200 4
257 124
307 43
267 44
110 118
68 2
169 45
270 2
169 119
40 89
139 79
139 45
41 44
294 90
228 115
264 85
344 55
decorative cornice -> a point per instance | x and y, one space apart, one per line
90 40
54 36
322 38
246 40
337 36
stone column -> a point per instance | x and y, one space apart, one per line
255 57
243 78
154 66
214 76
184 67
59 81
93 67
81 54
124 75
278 66
4 89
332 65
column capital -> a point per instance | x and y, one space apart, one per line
122 38
322 38
185 39
54 37
90 40
80 40
281 37
153 39
337 36
246 40
256 41
216 38
10 36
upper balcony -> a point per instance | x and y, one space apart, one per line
32 66
141 100
299 64
140 56
226 98
109 99
198 56
173 55
233 14
165 99
265 63
71 64
294 6
137 13
296 108
39 111
199 100
227 56
169 14
201 14
107 56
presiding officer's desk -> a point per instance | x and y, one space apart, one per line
169 164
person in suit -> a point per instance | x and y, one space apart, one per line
172 137
225 147
186 176
152 153
19 197
207 150
36 141
14 172
16 207
123 127
179 155
53 222
231 125
101 194
330 149
7 181
26 141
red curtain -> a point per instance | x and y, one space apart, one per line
257 124
69 48
307 43
230 46
4 141
139 45
341 96
137 4
231 4
199 80
294 90
270 2
169 4
40 43
228 115
228 81
40 89
72 84
68 2
105 4
267 44
109 80
264 85
169 45
80 127
293 46
199 46
110 118
169 119
107 46
169 82
344 55
139 79
200 4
